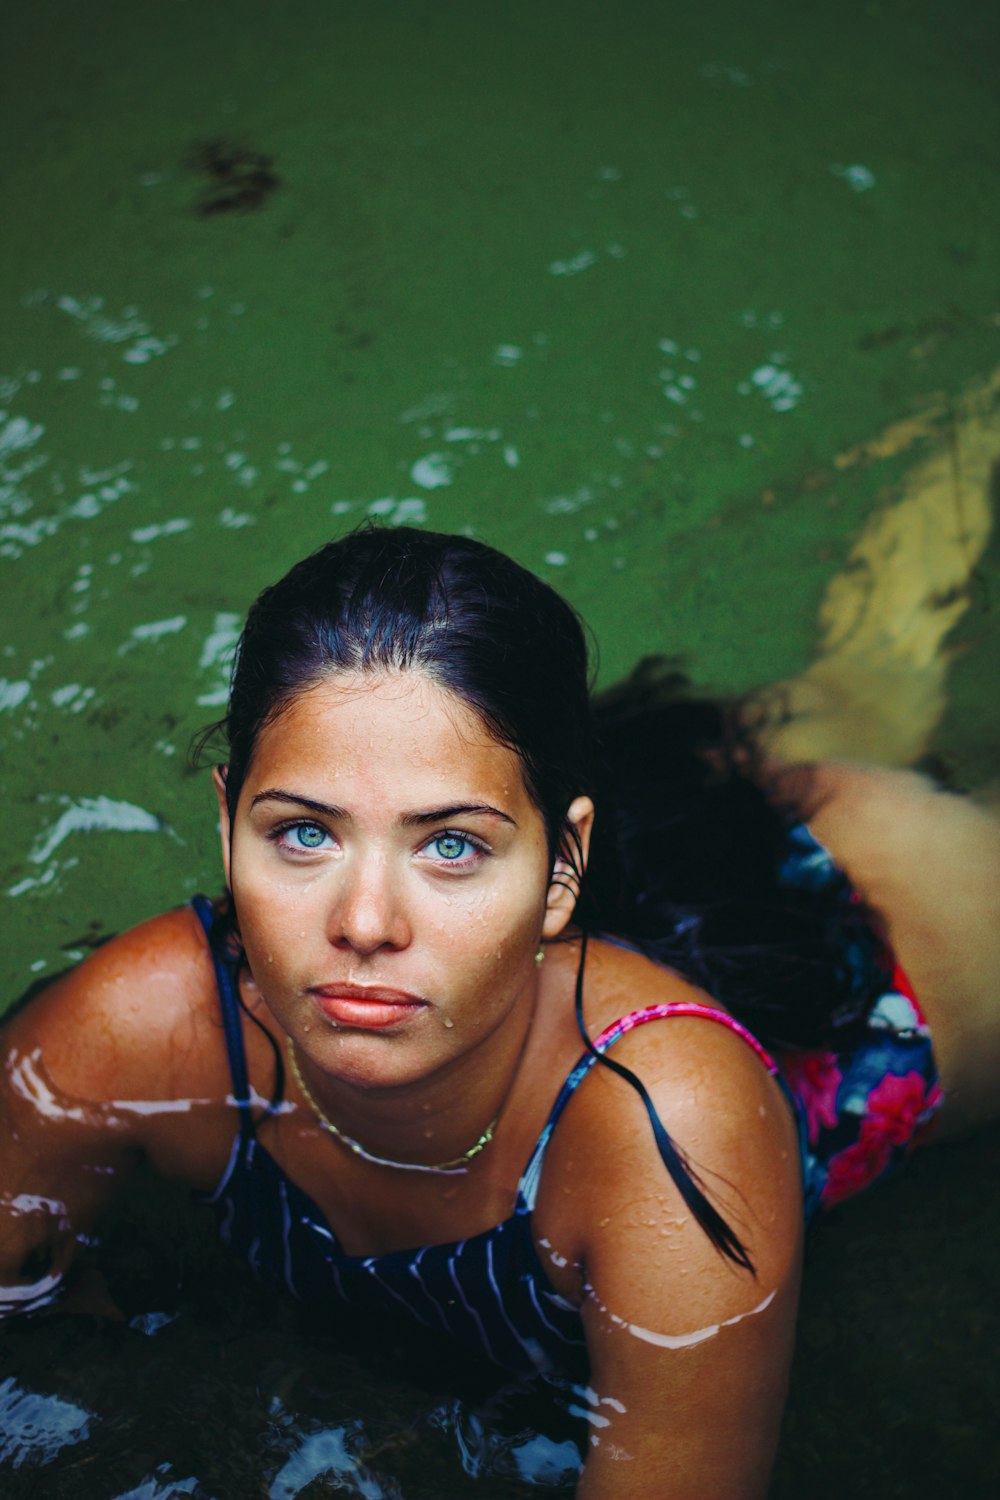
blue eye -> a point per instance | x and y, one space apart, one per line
307 835
456 851
451 846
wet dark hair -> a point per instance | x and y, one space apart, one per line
467 616
687 852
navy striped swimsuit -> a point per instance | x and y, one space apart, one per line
859 1113
488 1294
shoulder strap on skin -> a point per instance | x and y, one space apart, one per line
682 1008
528 1187
227 982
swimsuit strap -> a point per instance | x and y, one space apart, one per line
528 1186
227 981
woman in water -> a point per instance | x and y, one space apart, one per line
541 1031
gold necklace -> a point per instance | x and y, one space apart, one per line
457 1163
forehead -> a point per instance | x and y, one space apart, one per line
397 731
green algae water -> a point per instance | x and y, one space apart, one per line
680 304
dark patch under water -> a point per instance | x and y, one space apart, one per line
240 179
215 1389
211 1387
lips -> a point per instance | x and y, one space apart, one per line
366 1007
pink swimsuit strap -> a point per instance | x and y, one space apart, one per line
683 1008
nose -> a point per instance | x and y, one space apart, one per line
368 912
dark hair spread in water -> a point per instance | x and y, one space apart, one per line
687 849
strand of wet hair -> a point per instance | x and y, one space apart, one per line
226 924
682 1174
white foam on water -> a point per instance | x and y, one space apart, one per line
433 471
859 179
143 534
92 815
471 435
325 1453
568 505
582 261
154 630
217 656
36 1427
411 511
12 694
779 387
235 520
18 433
65 697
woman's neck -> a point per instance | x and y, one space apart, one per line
438 1121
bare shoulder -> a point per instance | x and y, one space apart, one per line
716 1098
622 983
130 1018
712 1089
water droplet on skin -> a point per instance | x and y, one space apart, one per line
449 1023
305 1028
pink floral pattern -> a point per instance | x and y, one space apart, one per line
899 1104
814 1078
897 1107
861 1110
856 1167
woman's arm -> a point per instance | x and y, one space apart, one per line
59 1173
79 1063
689 1354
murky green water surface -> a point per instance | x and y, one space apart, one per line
612 288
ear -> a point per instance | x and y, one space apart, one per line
219 775
564 887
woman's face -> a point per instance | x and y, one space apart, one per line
391 876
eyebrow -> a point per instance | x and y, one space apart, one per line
408 820
440 814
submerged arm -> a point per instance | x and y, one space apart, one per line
78 1065
62 1160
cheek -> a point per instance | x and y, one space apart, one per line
267 894
498 930
275 925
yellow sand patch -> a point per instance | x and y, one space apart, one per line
877 687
